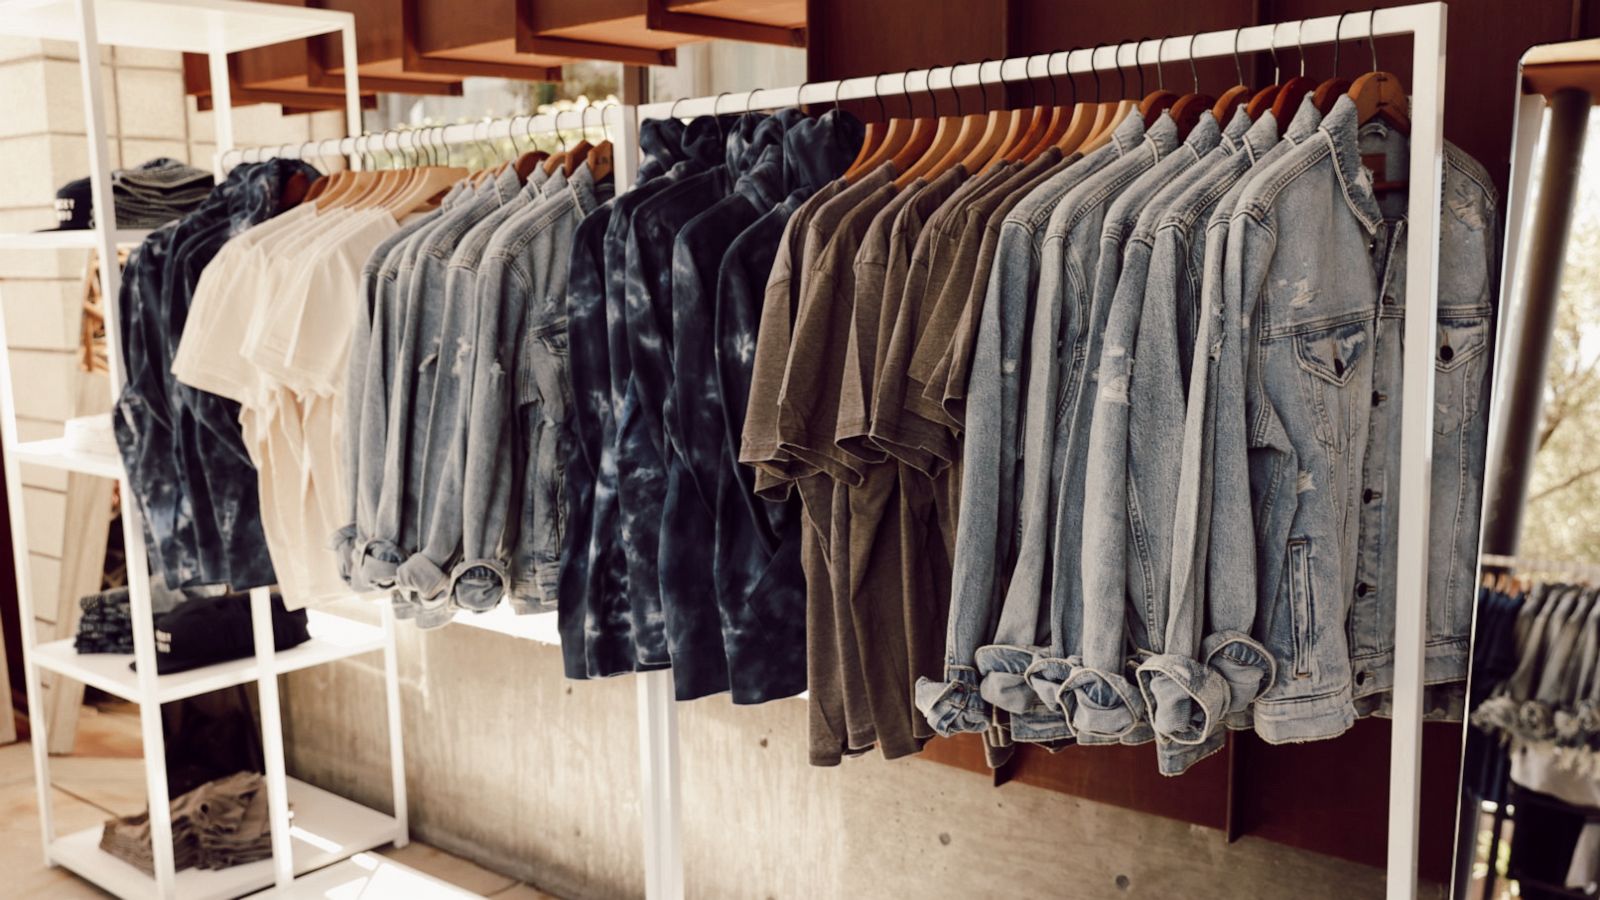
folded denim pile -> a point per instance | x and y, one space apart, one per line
219 824
157 192
104 625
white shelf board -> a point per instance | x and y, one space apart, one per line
368 876
186 25
56 453
325 827
62 240
332 638
540 627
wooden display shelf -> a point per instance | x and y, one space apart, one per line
616 30
380 50
197 81
291 66
781 22
437 39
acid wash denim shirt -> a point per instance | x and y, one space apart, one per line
689 620
987 524
756 572
595 614
1314 299
226 545
1176 241
635 485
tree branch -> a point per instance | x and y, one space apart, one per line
1566 483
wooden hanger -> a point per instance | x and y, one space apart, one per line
897 137
1058 115
1159 100
876 130
580 150
601 158
1109 122
1038 120
998 127
1380 95
943 136
1081 125
1187 111
1287 102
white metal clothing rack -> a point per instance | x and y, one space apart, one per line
1425 23
326 828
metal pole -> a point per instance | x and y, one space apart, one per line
272 736
1534 312
1416 450
397 757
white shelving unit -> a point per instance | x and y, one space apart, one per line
311 828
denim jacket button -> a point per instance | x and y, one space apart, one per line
1378 397
1361 678
1388 299
1446 353
1361 589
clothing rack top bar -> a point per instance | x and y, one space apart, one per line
422 137
1399 20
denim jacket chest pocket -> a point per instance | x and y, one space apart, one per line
1461 360
1330 359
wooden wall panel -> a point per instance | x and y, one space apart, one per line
380 50
437 38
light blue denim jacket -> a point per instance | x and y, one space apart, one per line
1467 275
1314 299
1170 677
1075 296
1119 573
449 366
987 525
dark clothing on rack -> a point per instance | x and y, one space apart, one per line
201 507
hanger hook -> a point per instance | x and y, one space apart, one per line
1194 71
1272 47
605 124
1299 32
1122 79
1238 67
1338 30
1372 44
1027 73
1094 69
983 86
722 139
672 111
385 145
883 111
1161 76
1049 60
837 87
511 132
950 73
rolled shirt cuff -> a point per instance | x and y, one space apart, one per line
378 560
953 706
422 577
478 584
1105 707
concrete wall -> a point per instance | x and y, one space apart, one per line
537 777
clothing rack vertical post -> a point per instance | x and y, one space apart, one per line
1425 24
327 828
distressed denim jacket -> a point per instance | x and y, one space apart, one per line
987 525
1170 677
1075 296
1467 278
1315 301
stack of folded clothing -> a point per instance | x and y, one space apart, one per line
104 626
158 192
219 824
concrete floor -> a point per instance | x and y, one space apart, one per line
104 777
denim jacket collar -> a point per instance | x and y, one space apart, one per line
506 185
1261 137
1205 132
1131 132
1238 127
1342 129
585 193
